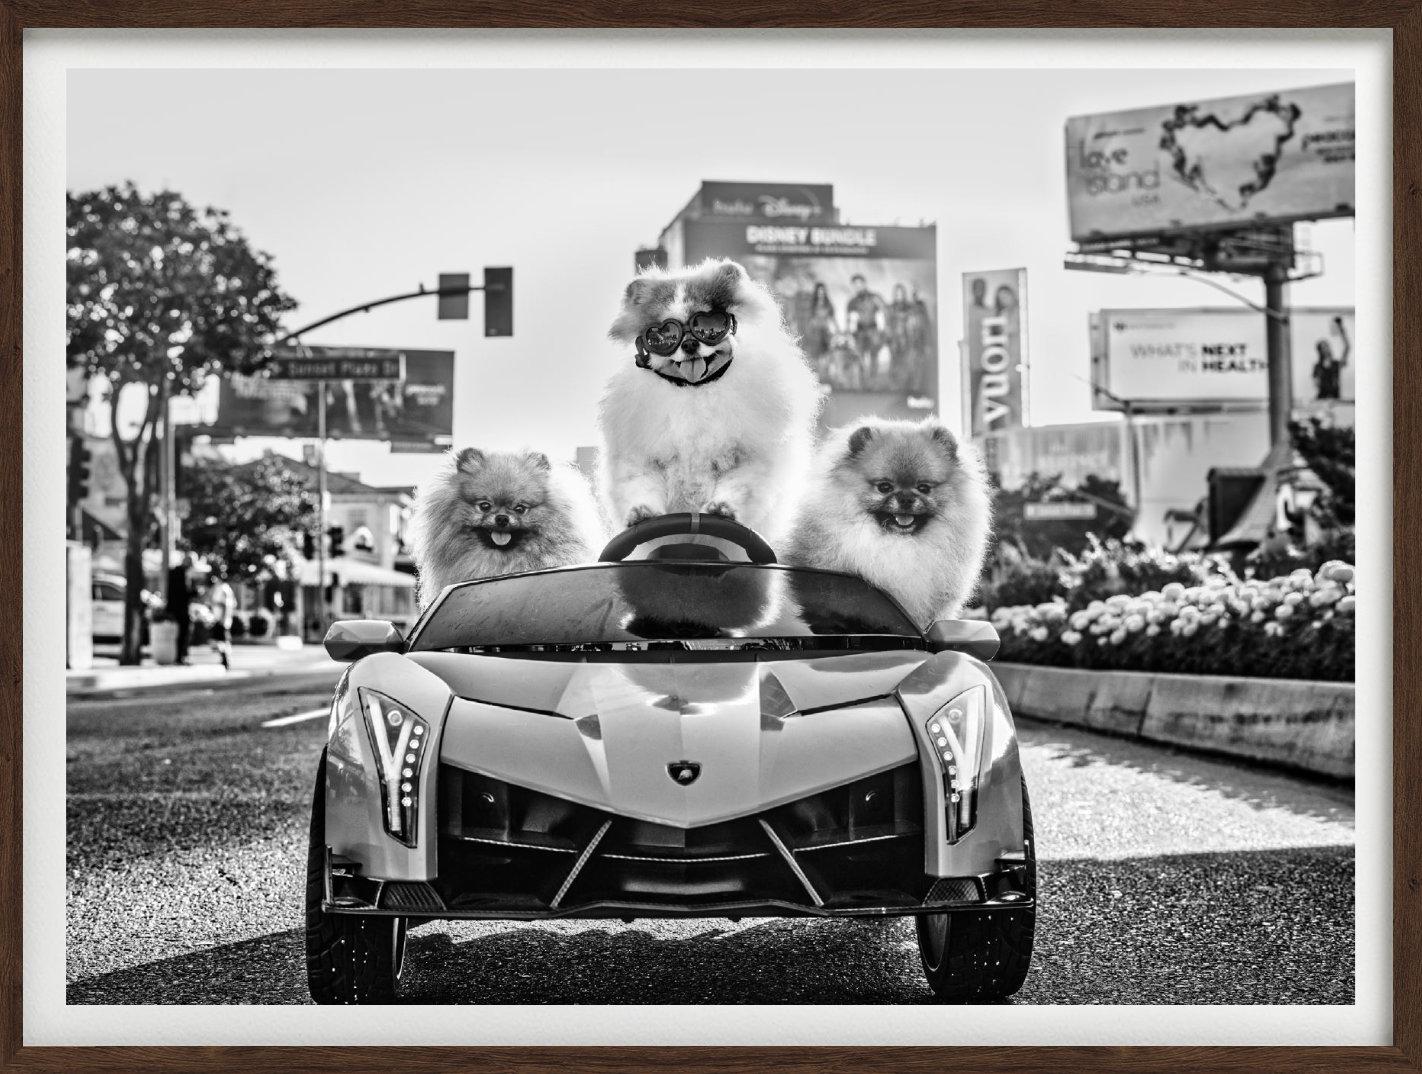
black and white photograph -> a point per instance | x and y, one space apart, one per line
818 535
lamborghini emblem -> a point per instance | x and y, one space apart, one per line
684 772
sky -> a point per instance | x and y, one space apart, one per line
367 183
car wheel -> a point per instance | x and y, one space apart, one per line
349 958
982 955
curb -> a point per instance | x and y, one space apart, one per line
104 680
1299 724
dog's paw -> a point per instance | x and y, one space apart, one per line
720 507
640 513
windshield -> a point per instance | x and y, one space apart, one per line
617 603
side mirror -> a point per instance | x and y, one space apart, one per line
971 636
351 639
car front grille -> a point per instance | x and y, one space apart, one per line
856 845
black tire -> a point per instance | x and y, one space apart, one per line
978 956
349 959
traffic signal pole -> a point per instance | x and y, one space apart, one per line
498 318
501 284
321 502
165 486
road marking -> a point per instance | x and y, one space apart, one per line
297 717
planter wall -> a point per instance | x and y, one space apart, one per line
1297 724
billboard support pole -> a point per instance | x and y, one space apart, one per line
1130 415
1281 388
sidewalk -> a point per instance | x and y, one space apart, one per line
248 661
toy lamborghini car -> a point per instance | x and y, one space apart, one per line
683 729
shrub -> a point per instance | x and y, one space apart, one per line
1104 568
259 624
239 626
1299 625
1026 582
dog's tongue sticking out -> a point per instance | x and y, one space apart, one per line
500 538
904 520
695 370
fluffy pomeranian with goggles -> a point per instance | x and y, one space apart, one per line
715 412
486 513
902 504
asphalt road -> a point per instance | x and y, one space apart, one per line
1164 878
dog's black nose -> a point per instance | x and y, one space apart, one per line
501 520
690 345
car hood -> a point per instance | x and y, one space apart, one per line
606 734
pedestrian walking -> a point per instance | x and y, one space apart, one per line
179 598
223 603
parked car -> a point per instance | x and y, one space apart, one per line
106 591
684 729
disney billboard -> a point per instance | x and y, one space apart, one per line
862 300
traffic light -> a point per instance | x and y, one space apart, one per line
337 536
498 301
453 296
80 459
308 546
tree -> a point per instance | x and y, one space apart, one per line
160 295
1330 452
245 517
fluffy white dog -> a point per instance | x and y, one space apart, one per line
717 412
904 505
486 513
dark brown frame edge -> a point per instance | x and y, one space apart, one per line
1403 17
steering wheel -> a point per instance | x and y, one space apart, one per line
697 530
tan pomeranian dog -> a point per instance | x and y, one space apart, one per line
715 412
486 513
902 504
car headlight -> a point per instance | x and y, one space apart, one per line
401 741
956 734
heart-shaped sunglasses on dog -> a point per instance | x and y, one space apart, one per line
705 326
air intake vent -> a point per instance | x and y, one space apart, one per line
415 897
954 889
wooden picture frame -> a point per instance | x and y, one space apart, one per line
1402 17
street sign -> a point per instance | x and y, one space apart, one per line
1058 511
334 364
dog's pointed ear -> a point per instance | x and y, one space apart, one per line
940 435
469 459
859 440
640 300
724 287
636 291
539 460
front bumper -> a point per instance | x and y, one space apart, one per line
350 893
512 853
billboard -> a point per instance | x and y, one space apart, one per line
1267 157
1208 358
862 300
994 350
787 202
414 414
